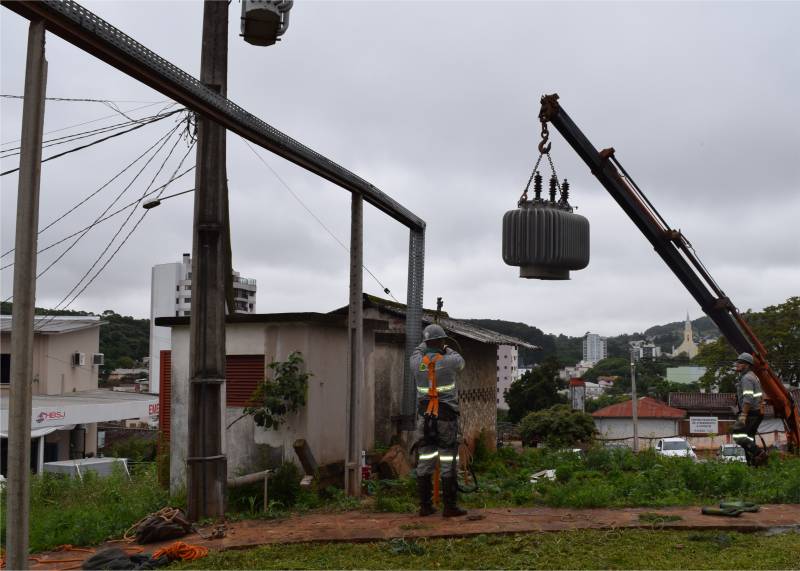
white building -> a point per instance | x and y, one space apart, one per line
656 420
687 346
66 401
507 367
595 348
171 296
645 350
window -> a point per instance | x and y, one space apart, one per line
177 300
177 313
187 313
187 287
5 368
177 288
187 300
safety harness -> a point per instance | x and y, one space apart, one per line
433 392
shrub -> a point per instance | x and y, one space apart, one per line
557 427
284 484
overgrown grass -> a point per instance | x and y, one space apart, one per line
586 549
68 510
609 478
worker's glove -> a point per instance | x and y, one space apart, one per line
742 417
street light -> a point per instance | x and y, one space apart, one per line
157 202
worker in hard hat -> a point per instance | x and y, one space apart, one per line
435 367
749 398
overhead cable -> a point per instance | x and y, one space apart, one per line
139 126
103 186
315 217
81 124
77 136
125 239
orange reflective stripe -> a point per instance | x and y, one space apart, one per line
430 364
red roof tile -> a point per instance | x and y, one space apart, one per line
648 408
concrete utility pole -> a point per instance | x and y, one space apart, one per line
206 463
352 466
634 405
22 313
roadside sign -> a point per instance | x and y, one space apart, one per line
703 425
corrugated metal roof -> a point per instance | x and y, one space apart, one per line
716 403
451 325
54 325
647 408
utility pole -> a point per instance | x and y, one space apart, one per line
634 404
22 313
352 466
206 463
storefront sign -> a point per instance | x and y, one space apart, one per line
47 415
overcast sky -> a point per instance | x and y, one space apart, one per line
436 104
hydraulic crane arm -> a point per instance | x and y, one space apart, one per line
679 255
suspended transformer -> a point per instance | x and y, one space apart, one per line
264 21
545 238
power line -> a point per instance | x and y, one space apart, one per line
98 141
81 124
124 241
320 222
108 217
82 135
80 203
85 100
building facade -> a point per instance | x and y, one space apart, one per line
66 401
645 350
171 296
595 348
507 367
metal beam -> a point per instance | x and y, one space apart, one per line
83 28
416 279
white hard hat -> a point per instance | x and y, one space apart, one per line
432 332
746 358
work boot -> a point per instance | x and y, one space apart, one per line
425 493
760 458
450 493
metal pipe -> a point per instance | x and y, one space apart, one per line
22 312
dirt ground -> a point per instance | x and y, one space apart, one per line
363 526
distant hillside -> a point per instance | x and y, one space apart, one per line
123 339
569 350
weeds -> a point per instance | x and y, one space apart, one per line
85 512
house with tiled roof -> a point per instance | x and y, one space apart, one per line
655 418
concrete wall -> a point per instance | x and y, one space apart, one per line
321 422
164 278
477 392
53 373
648 428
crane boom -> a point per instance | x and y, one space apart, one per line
679 255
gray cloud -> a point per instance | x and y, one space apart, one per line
436 104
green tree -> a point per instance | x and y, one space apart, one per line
604 400
610 367
778 328
535 390
557 427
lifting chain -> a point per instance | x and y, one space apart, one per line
544 150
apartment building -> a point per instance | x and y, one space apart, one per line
171 296
507 363
595 348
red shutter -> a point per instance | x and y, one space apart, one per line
243 373
165 394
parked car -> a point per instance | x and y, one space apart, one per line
676 447
731 453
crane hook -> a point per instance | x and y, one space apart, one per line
545 148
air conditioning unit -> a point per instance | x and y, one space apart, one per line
98 359
78 359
